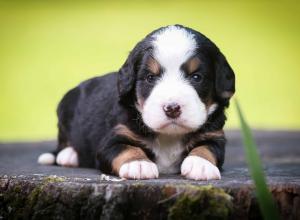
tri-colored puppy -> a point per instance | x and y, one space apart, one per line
161 113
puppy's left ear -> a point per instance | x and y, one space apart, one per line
225 79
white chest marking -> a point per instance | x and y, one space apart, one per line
168 153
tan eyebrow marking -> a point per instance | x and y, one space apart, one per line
193 64
153 66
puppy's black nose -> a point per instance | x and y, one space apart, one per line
172 110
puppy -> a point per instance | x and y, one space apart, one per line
161 113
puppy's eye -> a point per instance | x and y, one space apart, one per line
196 77
150 78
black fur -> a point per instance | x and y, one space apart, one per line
88 113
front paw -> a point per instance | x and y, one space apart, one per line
138 169
197 168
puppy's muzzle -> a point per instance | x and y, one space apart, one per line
172 110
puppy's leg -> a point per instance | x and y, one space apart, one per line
132 163
49 158
126 161
67 157
46 159
200 164
64 155
121 154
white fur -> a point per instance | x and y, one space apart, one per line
172 47
67 157
172 88
197 168
212 108
138 169
167 150
46 159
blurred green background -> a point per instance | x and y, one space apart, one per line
47 47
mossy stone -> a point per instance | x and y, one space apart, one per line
201 202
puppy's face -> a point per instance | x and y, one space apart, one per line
175 80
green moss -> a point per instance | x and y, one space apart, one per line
53 179
13 195
33 196
21 197
201 202
138 184
16 189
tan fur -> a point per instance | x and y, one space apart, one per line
213 134
123 130
193 64
205 136
209 102
205 153
227 94
140 103
130 154
153 66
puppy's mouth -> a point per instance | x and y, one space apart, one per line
174 124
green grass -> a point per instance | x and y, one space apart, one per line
47 47
264 197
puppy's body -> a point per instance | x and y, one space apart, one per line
87 114
163 112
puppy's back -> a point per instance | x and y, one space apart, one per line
86 114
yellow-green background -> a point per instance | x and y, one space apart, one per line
47 47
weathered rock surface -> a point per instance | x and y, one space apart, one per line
31 191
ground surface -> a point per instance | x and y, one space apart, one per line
29 190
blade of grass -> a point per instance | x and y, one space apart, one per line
264 197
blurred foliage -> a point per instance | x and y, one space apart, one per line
264 196
47 47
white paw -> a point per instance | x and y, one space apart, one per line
197 168
46 159
67 157
138 169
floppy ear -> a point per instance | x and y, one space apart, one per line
126 78
127 75
225 79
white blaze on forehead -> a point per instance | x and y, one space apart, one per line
173 46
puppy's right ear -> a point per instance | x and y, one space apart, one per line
127 75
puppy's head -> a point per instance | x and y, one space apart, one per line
176 77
